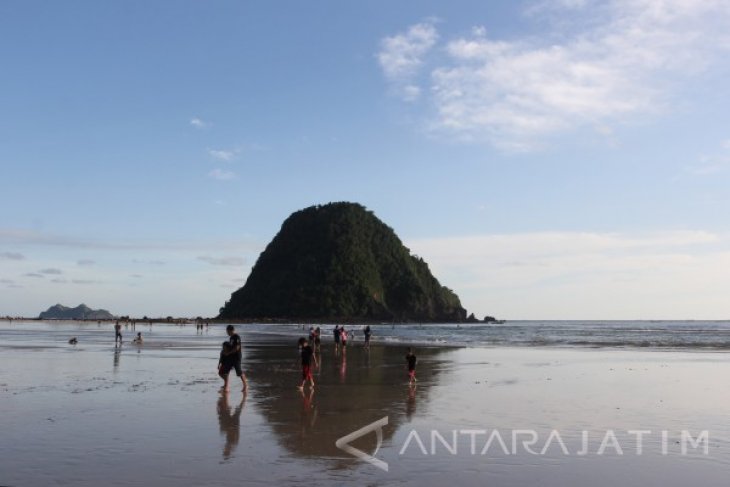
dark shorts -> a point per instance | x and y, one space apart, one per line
227 366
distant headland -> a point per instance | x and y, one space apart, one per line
339 262
80 312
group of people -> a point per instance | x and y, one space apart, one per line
341 335
118 336
230 355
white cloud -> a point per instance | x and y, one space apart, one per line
222 155
401 55
198 123
582 275
221 175
716 163
623 61
230 261
411 92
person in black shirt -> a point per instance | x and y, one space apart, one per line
308 357
411 361
367 334
232 358
336 331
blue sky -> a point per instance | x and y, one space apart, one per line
549 159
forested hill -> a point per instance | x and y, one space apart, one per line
340 262
80 312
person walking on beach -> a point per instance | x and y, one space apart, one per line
233 358
367 333
337 337
411 361
343 337
317 339
117 333
308 357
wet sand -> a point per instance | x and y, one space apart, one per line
95 415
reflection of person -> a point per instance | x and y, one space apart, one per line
411 402
233 359
309 412
411 361
117 352
230 423
343 367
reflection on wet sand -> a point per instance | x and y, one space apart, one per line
308 419
356 388
411 402
229 423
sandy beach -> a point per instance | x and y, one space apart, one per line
91 414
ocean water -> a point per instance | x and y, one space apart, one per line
681 335
711 335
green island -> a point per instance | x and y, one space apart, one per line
339 262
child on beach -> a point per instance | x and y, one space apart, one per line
411 361
138 339
224 361
367 334
343 337
308 357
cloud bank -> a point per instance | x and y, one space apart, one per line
621 60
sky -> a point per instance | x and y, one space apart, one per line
549 159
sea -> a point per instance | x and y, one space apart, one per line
680 335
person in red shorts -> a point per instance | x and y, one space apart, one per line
308 357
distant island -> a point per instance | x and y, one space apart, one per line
339 262
80 312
